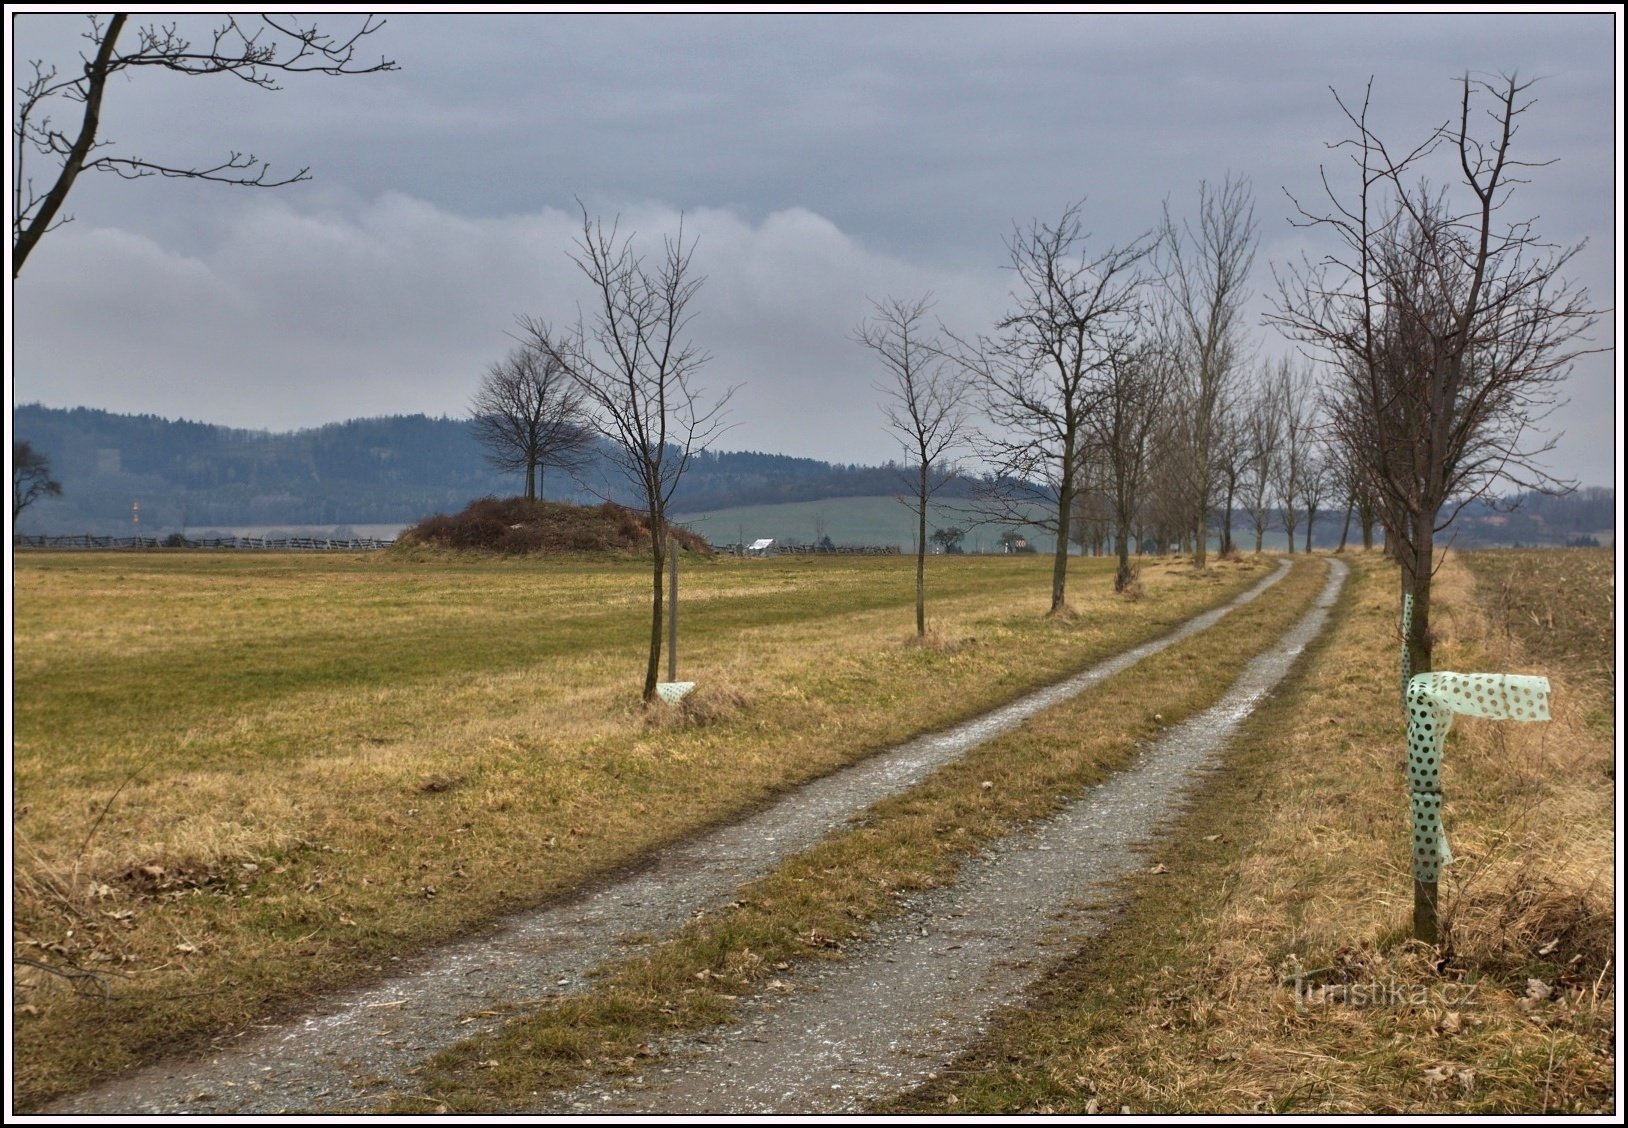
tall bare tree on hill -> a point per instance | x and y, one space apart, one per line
639 371
528 414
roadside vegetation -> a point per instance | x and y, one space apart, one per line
239 780
1273 970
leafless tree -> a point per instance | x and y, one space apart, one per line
1090 525
1294 395
925 398
528 414
1040 378
30 478
1206 275
638 370
282 45
1231 463
1136 386
1316 480
1449 326
1263 426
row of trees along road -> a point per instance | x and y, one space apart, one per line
1446 328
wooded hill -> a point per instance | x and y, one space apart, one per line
391 470
397 470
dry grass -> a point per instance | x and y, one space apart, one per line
814 903
238 780
1277 975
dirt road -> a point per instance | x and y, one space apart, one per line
355 1047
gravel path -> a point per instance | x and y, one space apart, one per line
907 1000
357 1045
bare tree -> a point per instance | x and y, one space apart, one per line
528 414
1263 425
1041 378
250 56
638 370
30 478
1315 482
925 401
1136 386
1206 276
1231 463
1450 329
1090 525
1295 399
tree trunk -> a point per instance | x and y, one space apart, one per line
1059 566
652 670
1416 573
1345 530
1122 578
1311 513
921 555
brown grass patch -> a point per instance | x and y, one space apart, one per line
1274 971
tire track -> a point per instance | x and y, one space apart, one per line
358 1044
908 999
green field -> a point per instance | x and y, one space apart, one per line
847 521
888 521
239 779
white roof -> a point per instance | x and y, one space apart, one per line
760 545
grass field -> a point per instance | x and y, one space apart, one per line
846 520
241 779
1273 971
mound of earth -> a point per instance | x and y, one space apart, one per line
516 526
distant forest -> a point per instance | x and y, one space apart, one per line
398 469
391 470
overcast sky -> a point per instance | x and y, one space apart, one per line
821 160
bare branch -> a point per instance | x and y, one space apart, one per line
253 57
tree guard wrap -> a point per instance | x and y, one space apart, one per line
1433 699
1407 659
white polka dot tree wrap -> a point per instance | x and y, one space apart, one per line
1433 699
1407 659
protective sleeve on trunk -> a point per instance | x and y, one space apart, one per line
1433 700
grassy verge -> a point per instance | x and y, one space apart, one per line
238 780
817 901
1274 972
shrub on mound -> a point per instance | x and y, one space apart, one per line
516 526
